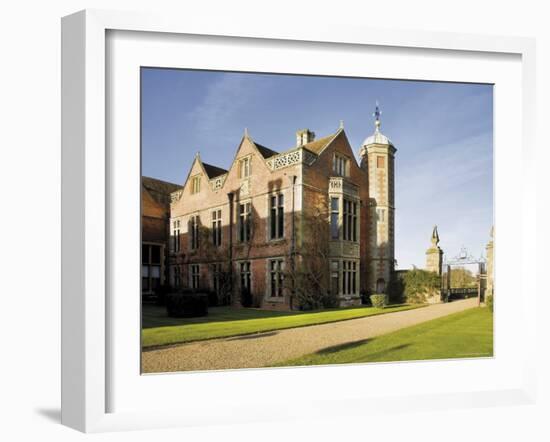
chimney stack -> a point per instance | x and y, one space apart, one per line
304 136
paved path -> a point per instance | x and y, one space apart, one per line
264 349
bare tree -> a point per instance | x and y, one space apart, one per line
307 276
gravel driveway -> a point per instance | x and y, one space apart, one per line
264 349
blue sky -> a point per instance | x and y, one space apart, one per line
443 133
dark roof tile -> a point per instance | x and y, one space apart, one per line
265 151
213 171
319 145
158 189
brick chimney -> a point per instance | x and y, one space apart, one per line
304 136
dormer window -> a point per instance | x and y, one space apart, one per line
195 185
244 167
340 165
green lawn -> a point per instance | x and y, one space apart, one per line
158 329
460 335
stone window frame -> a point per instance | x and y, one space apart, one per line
247 238
350 230
248 272
194 276
345 267
195 184
279 217
335 211
356 218
350 277
280 279
149 263
216 219
176 235
194 223
341 164
245 160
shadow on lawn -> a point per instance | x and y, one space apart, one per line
355 344
154 316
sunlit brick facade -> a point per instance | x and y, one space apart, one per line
247 229
155 231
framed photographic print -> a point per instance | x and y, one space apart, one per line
250 215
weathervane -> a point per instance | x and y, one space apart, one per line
376 115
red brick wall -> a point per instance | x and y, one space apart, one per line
311 191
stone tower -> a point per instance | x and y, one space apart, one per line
377 158
434 255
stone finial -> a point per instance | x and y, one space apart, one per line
435 237
341 124
246 135
434 255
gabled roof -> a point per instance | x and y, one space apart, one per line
319 145
213 171
159 190
159 185
265 151
316 147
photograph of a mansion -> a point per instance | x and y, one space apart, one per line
259 227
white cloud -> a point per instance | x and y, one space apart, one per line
225 100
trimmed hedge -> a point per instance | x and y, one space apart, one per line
187 305
212 298
162 292
379 300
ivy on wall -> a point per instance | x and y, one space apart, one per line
415 286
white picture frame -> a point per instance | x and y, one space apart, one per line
87 355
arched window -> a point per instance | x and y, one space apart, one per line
380 285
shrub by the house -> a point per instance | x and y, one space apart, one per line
396 289
420 285
162 292
379 300
212 298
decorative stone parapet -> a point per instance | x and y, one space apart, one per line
291 158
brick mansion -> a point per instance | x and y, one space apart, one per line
277 216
